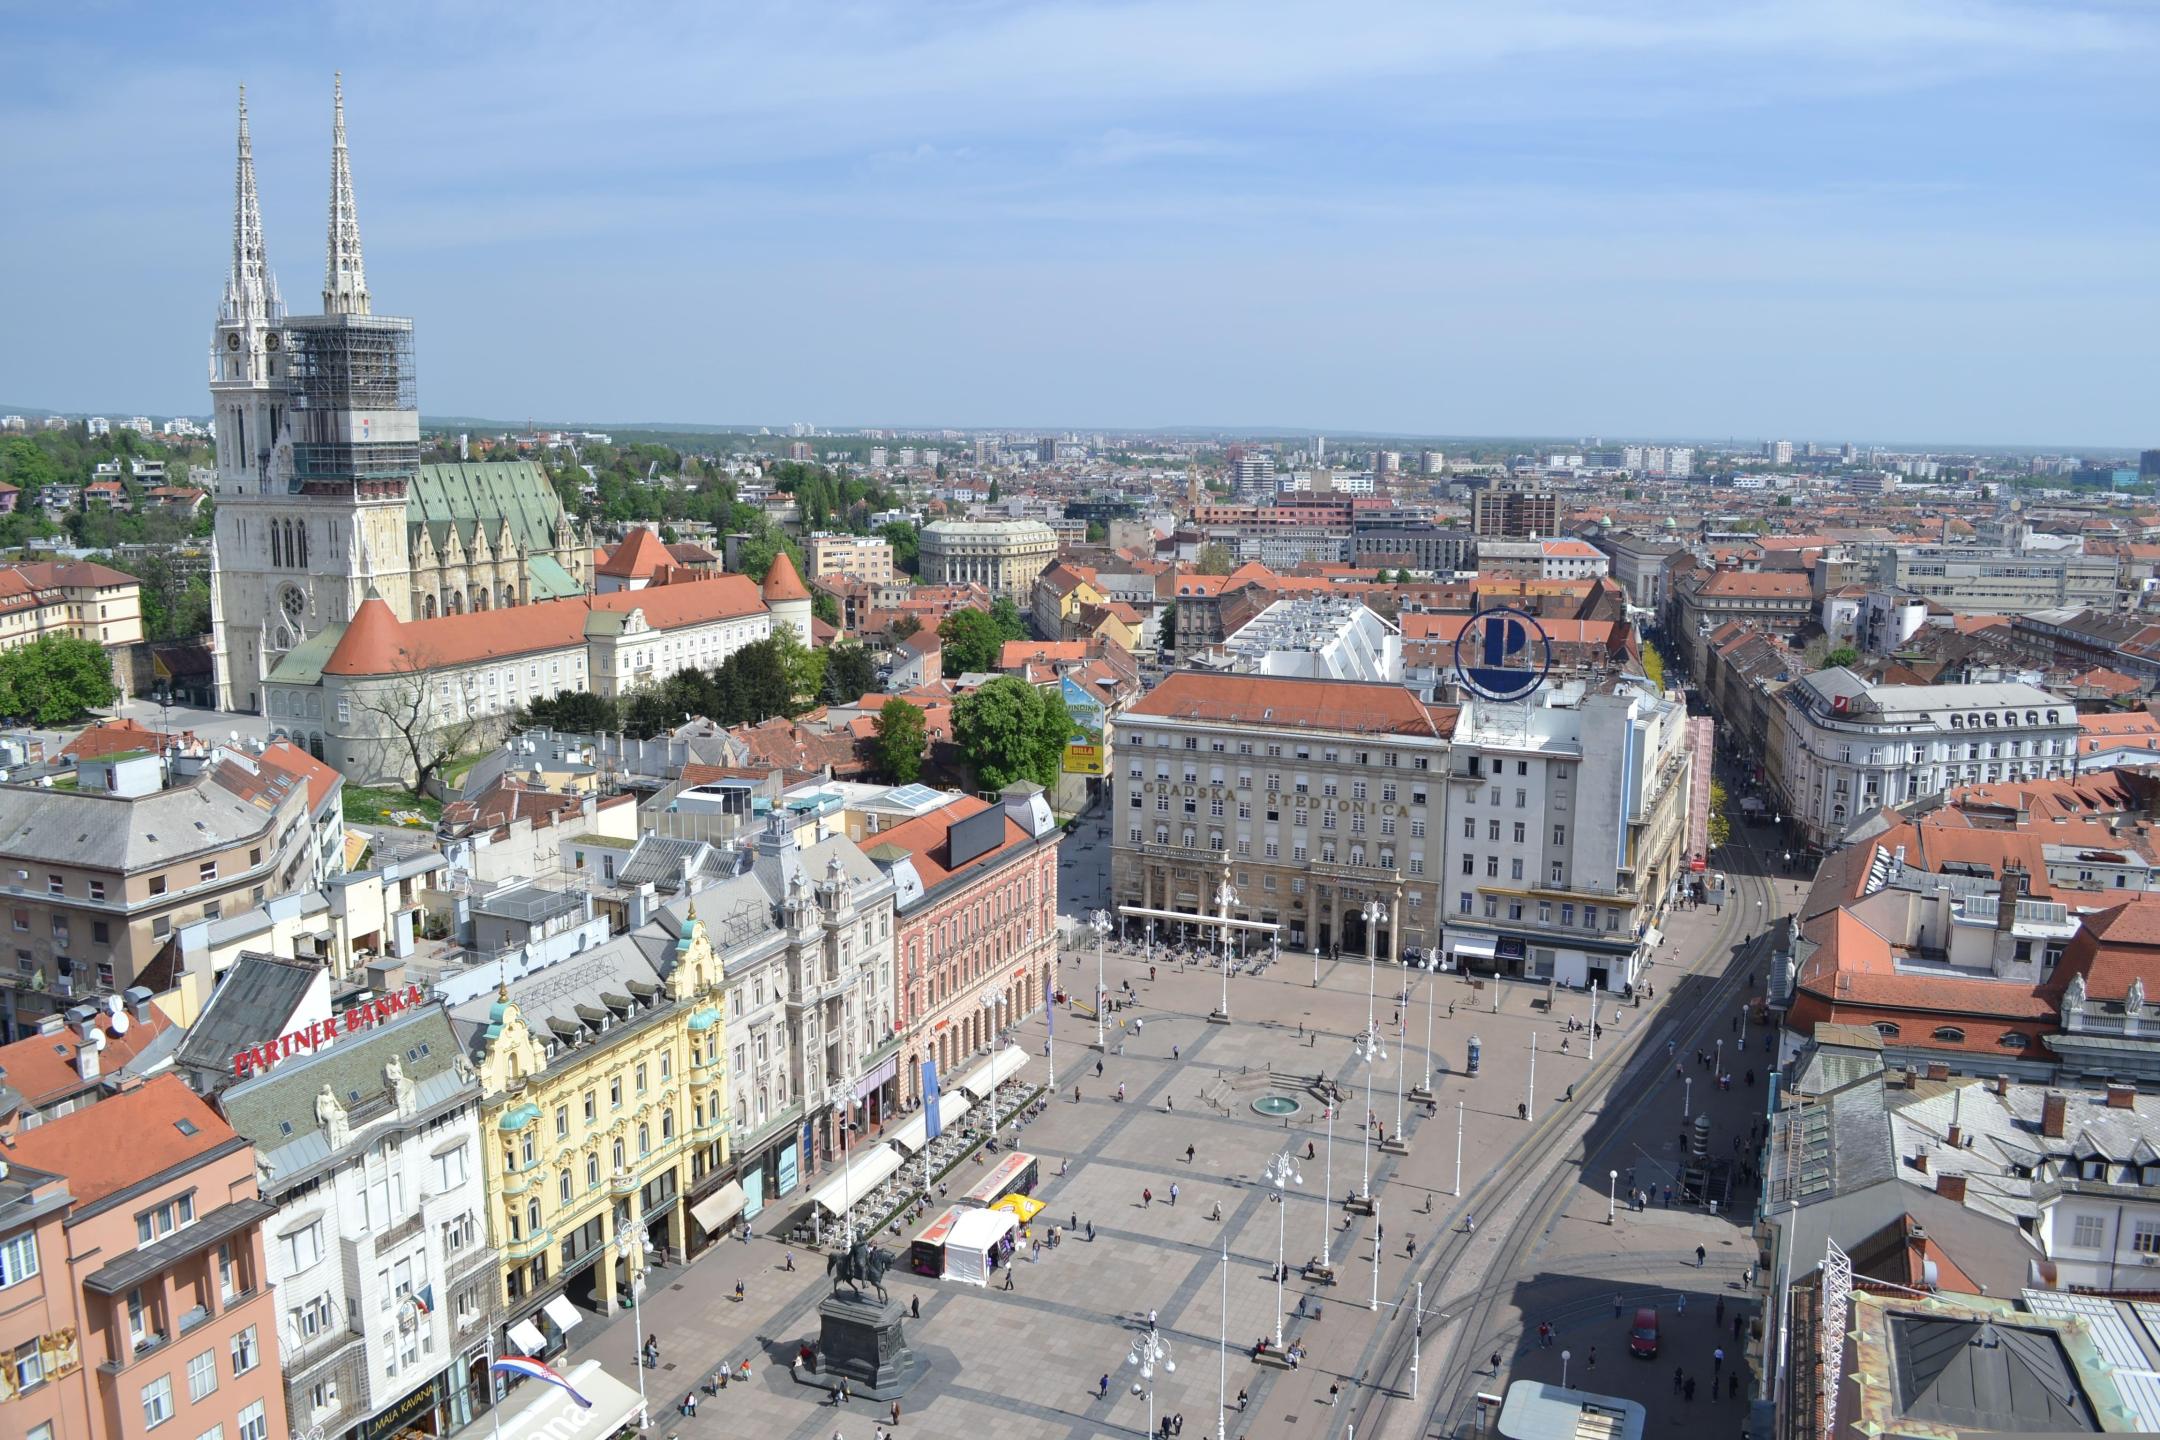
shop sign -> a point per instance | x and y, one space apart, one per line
310 1038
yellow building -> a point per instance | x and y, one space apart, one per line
607 1105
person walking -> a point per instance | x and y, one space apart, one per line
1188 1154
1098 1069
914 1306
1689 1390
1147 1197
1593 1357
1679 1378
1702 1257
1495 1362
1102 1387
1680 1303
1151 1322
1009 1273
790 1265
1173 1192
1616 1305
1717 1363
841 1396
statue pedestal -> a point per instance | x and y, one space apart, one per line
865 1341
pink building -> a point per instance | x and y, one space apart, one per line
148 1250
976 891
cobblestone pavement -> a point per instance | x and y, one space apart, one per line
1028 1362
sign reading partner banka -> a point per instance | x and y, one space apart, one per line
1502 655
315 1036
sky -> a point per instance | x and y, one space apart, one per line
1875 220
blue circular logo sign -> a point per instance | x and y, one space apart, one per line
1502 654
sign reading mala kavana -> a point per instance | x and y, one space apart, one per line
1502 655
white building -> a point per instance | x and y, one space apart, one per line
1564 832
98 425
1840 748
1543 559
1317 638
369 1147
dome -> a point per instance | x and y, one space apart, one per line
782 583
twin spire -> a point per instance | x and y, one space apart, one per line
251 290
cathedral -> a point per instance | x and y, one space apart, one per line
322 502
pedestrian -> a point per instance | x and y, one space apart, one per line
914 1306
1102 1387
1702 1257
1680 1303
738 1292
1151 1322
689 1405
1495 1362
1739 1323
1593 1357
1689 1390
1721 1309
1334 1391
1188 1154
1732 1386
1174 1052
1668 1197
1008 1276
1075 1224
1308 1149
842 1395
1098 1069
1173 1192
1717 1363
1091 1232
790 1265
1679 1378
1616 1305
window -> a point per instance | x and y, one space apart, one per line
55 885
246 1354
157 1402
207 870
450 1168
1559 834
1950 1034
202 1375
97 889
301 1248
29 1366
2088 1233
1464 902
562 1122
18 1258
592 1105
2145 1237
157 884
1887 1029
172 1215
2012 1040
1469 832
255 1423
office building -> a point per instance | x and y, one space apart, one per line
1505 513
1004 556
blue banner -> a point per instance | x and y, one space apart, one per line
931 1128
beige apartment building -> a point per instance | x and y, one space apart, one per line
71 597
1004 556
1311 798
863 556
95 881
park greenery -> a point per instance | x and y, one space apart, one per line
55 680
973 639
1009 730
902 738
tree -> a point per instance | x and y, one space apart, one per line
825 607
804 668
1097 532
56 680
1653 665
972 641
757 553
906 545
572 712
1213 559
429 716
902 737
1009 730
849 672
1720 824
1167 630
905 626
1010 623
1842 655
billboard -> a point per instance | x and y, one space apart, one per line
1082 759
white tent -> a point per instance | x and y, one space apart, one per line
974 1234
548 1412
994 1072
869 1169
915 1134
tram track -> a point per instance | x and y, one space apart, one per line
1384 1397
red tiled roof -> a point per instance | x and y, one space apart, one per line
1321 704
118 737
294 761
124 1139
1758 584
376 643
781 581
927 838
41 1068
639 555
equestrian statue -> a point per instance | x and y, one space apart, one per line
860 1264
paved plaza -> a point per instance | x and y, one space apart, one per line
1029 1361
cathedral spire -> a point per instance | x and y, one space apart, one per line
251 290
345 276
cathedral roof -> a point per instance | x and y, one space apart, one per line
639 555
781 581
465 497
376 643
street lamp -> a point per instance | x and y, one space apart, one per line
1458 1148
990 1001
624 1250
1530 1102
1612 1194
1280 1172
1565 1356
1148 1351
1593 1019
1432 976
1225 897
1327 1186
837 1099
1687 1091
1101 926
1370 1053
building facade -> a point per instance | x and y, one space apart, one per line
864 556
1004 556
1311 798
975 893
321 498
1998 580
1839 749
370 1148
156 1266
73 597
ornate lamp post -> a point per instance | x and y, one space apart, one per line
1280 1172
1225 897
1371 1053
837 1097
1149 1351
1101 926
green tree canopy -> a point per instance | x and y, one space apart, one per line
972 640
850 674
1842 655
1011 624
1009 730
1213 559
573 712
56 680
1720 823
902 739
906 546
825 607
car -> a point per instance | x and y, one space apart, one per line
1642 1338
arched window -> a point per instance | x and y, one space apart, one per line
1950 1034
1957 722
644 1140
667 1125
1887 1029
427 607
618 1154
2012 1040
277 543
532 1216
592 1171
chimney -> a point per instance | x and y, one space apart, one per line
2122 1097
1938 1070
1956 1136
2002 1085
2013 890
1951 1187
2054 1110
1919 1161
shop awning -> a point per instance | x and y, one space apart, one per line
912 1136
562 1312
878 1075
551 1411
714 1211
1484 947
527 1337
869 1169
994 1072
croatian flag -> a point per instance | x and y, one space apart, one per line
931 1128
532 1369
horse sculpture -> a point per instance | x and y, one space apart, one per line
860 1264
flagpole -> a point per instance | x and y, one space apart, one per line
494 1405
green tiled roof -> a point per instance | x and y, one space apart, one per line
548 580
303 663
465 497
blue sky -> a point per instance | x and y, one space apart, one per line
1878 220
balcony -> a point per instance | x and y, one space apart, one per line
137 1347
298 1352
623 1182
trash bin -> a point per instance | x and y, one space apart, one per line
1475 1047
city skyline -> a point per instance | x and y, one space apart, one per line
1139 220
